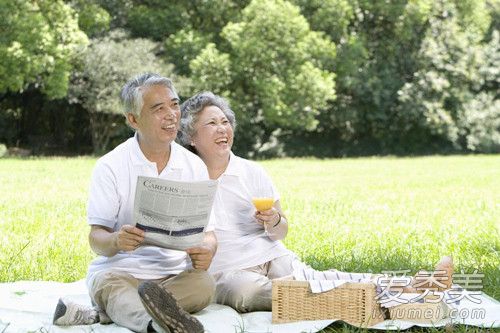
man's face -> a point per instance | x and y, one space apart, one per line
159 119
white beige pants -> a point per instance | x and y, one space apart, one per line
115 293
250 289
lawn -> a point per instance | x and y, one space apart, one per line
363 214
376 214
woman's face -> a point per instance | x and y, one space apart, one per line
213 136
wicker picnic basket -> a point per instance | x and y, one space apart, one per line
353 303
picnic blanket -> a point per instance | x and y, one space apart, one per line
29 306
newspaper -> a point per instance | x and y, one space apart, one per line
173 214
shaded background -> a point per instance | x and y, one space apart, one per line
305 78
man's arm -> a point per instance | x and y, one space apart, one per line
105 242
202 256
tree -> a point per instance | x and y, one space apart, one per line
479 118
106 65
92 18
212 70
448 97
156 19
273 69
330 16
39 42
184 46
315 77
376 45
405 71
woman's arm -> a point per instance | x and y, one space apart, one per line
275 220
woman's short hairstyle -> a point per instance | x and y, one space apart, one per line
133 91
191 109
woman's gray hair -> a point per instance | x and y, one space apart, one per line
191 109
132 92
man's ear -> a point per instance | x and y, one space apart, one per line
132 120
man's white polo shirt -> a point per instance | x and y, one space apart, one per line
111 203
241 240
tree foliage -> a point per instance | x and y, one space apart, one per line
453 68
183 46
92 18
156 19
38 44
330 77
211 70
263 76
330 16
405 72
106 65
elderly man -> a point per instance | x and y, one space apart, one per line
143 288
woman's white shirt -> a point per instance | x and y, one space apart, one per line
241 240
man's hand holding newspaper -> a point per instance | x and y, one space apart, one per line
201 256
174 215
129 238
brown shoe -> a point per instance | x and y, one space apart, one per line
165 311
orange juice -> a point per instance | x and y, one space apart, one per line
263 203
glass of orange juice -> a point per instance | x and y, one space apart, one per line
261 204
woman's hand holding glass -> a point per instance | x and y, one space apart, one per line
263 200
267 218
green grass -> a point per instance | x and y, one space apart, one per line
42 218
376 214
363 215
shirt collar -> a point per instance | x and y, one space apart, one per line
174 162
234 167
138 157
136 153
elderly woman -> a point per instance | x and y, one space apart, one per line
250 254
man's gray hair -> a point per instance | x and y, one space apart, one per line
191 109
132 92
